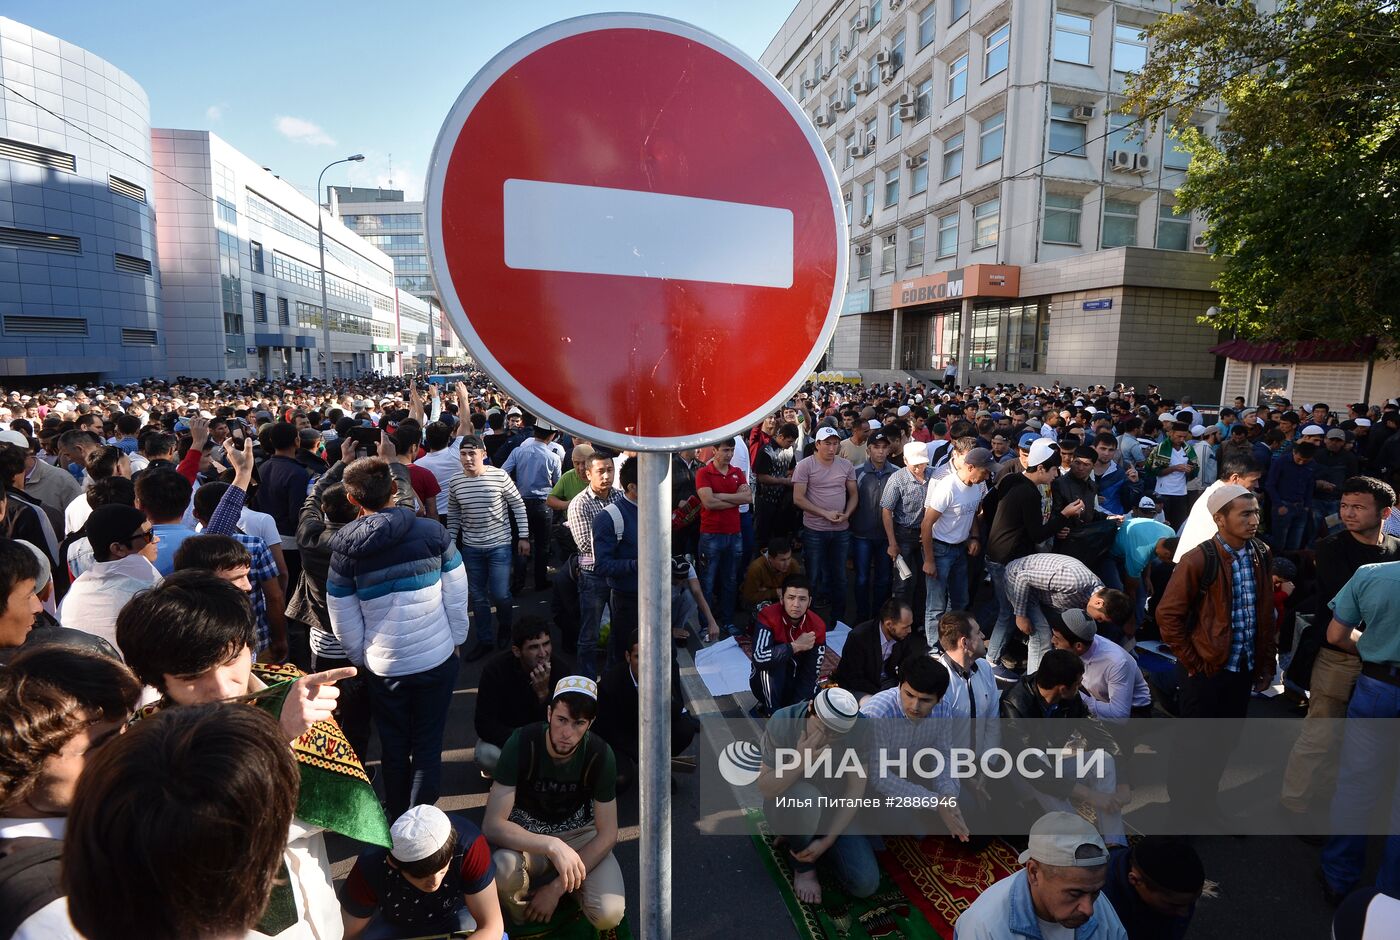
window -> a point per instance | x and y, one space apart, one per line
952 157
255 257
926 27
986 221
948 235
867 199
871 131
1062 212
1129 48
923 99
998 52
259 307
872 78
1073 35
851 91
817 67
897 51
877 11
1119 223
1124 133
1008 337
887 249
850 142
848 210
1067 136
1173 231
957 78
918 178
992 138
863 264
284 316
891 187
916 244
959 10
896 123
835 48
1175 156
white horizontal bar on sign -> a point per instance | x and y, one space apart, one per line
629 233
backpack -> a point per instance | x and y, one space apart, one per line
29 879
1211 555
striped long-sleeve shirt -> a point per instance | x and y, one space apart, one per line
1057 581
479 509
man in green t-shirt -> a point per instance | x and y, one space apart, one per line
571 483
553 810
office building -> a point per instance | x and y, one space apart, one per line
242 288
79 275
1002 215
395 226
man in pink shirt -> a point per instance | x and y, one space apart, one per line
824 488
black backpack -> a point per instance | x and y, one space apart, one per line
29 879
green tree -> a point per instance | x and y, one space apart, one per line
1299 182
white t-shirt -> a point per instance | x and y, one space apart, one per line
1174 484
741 460
75 515
957 503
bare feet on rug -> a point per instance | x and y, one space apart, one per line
806 886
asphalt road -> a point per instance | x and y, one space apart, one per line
1263 886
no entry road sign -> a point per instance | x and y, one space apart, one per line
636 230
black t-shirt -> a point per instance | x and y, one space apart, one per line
1338 557
774 462
554 797
374 884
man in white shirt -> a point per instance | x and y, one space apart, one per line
952 507
124 547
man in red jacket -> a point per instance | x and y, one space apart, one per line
789 648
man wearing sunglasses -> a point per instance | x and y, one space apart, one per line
124 548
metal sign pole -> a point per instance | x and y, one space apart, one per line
654 617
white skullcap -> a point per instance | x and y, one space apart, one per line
419 833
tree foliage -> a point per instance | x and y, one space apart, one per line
1299 183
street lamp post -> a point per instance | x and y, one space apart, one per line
321 243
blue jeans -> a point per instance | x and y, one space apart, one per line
1289 529
411 715
592 596
1005 622
720 555
948 591
852 856
488 580
824 554
1368 747
746 531
874 572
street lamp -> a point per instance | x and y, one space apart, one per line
321 242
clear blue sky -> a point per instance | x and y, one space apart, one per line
295 84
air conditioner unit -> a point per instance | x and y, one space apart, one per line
844 52
884 57
826 73
862 22
809 83
1083 112
1143 164
887 74
862 249
860 148
891 239
866 219
914 163
1200 243
906 99
861 87
838 104
907 112
895 4
1122 160
821 119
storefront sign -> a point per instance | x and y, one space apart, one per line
857 301
976 280
1104 304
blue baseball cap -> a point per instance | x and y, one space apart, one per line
1027 439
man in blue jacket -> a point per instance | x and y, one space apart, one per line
615 558
1290 483
397 597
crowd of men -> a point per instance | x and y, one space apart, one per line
170 551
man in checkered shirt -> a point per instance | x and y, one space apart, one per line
1057 582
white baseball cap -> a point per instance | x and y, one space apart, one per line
419 833
1042 449
1067 840
915 452
824 433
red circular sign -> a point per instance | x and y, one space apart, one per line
637 231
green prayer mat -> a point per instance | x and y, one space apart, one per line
886 913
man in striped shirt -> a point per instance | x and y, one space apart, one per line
481 500
592 587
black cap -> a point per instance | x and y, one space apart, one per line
471 441
113 522
880 435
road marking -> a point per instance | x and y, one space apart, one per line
628 233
